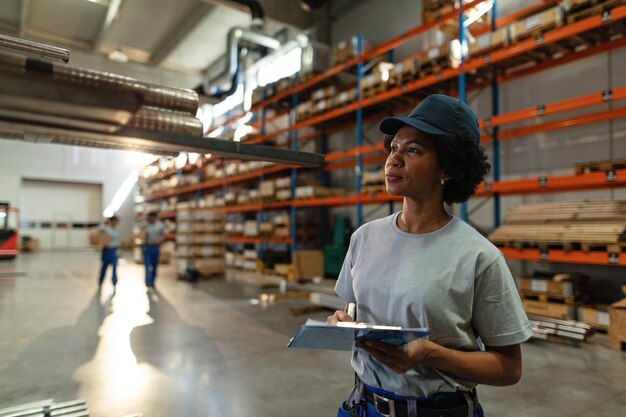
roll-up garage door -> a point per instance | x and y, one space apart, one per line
59 214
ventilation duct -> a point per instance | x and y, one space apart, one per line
47 102
237 36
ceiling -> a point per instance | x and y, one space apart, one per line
182 38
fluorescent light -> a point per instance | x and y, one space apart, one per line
280 67
121 194
242 131
181 160
477 12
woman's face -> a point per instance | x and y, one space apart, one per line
412 168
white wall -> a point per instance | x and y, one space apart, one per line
19 160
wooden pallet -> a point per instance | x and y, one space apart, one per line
589 8
565 246
404 77
599 166
374 188
558 311
434 66
600 329
373 89
547 298
538 31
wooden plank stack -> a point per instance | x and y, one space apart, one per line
599 166
575 225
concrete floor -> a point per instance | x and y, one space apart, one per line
209 349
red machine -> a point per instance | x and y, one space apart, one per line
9 224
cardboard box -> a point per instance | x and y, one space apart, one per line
266 227
284 182
346 49
304 110
617 329
250 228
98 239
308 264
489 41
552 310
266 188
323 93
281 231
409 66
283 195
306 191
284 269
345 97
594 315
540 21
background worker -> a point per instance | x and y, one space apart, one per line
154 234
110 237
423 267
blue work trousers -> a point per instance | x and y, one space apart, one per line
151 261
109 257
371 411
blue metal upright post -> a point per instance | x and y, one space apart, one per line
359 130
261 214
462 86
495 103
294 172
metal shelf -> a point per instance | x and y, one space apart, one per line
576 257
259 240
551 184
379 50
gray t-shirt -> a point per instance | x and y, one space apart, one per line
154 231
452 281
114 235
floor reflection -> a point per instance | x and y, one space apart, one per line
49 361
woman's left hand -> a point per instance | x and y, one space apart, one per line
399 358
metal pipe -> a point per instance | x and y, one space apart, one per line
211 87
34 48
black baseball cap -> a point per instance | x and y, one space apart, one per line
437 114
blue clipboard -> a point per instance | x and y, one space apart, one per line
319 335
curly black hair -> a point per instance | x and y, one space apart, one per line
462 159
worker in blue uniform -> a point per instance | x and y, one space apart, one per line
110 237
154 234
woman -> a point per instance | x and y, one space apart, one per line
423 267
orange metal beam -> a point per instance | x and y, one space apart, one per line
547 184
597 117
617 13
379 50
566 105
577 257
352 163
590 51
219 182
431 24
507 20
258 240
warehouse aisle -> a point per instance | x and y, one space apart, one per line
208 349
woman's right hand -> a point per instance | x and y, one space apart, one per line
340 315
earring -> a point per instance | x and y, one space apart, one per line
443 182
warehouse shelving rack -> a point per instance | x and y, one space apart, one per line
478 69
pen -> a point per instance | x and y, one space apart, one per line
352 311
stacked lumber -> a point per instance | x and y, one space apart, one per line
559 330
584 225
